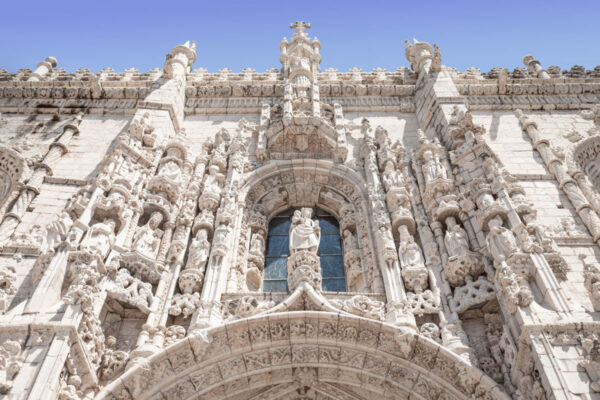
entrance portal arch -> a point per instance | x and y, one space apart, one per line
304 355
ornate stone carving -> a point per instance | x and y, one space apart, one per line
304 232
99 237
365 307
131 290
113 361
11 361
473 293
501 242
8 277
147 238
56 232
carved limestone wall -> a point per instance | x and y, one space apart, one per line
139 218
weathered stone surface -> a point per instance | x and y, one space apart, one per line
138 229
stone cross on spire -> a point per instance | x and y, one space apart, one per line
300 27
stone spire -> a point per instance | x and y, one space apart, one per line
300 56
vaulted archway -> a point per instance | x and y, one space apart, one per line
295 355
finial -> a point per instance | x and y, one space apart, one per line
300 27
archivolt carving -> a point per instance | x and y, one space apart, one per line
348 352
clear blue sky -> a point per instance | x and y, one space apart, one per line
365 34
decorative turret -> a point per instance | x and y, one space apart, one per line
43 68
180 60
300 57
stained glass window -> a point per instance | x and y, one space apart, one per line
278 250
330 253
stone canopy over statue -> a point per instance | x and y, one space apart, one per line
305 233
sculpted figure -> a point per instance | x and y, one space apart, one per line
147 238
305 233
171 170
57 231
100 237
391 177
222 233
456 240
410 254
433 168
199 250
386 237
257 245
501 242
350 242
538 231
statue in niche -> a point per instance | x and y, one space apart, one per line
100 237
257 244
350 241
500 241
409 251
170 170
211 184
222 233
432 167
386 237
147 238
391 177
305 233
199 250
456 240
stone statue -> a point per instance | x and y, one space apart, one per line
548 245
410 254
257 244
500 241
199 250
350 242
222 234
147 238
456 240
305 233
100 237
391 177
171 170
432 167
56 232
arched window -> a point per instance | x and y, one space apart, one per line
278 250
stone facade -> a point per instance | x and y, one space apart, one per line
135 214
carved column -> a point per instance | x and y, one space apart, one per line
227 223
57 149
398 309
566 183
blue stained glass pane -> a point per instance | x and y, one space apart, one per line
330 244
334 285
329 225
276 268
278 245
275 286
332 266
279 226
